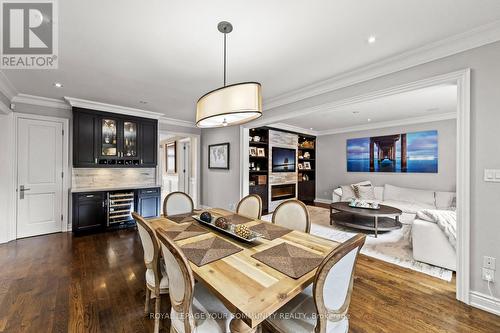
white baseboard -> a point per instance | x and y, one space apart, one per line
485 302
325 201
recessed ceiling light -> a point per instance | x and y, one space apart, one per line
368 120
58 85
311 128
372 39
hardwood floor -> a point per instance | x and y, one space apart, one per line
95 283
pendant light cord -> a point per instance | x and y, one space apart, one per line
225 59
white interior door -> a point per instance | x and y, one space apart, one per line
39 177
185 167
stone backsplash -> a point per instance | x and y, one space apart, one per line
108 177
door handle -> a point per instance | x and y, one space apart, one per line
22 189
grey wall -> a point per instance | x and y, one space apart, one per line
221 188
485 117
331 161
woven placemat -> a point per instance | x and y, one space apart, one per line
181 218
184 231
270 231
209 250
238 219
290 260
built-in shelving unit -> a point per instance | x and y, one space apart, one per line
307 168
259 164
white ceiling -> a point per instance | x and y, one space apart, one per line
169 53
419 104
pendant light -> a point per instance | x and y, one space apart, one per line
233 104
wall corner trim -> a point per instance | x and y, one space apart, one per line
476 37
323 201
485 302
41 101
93 105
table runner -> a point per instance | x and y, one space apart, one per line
206 251
289 260
270 231
181 218
184 231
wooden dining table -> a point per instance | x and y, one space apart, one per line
250 289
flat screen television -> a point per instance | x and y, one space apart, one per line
284 159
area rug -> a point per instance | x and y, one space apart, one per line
393 246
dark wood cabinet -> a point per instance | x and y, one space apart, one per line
89 211
148 202
109 140
261 191
307 191
148 143
84 133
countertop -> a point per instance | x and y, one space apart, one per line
118 188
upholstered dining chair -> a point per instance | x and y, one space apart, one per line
292 214
250 206
194 308
156 276
177 203
322 307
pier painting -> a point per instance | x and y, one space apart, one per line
415 152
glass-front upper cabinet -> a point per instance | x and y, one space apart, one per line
129 139
109 136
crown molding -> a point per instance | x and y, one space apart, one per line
293 128
335 105
482 35
83 103
4 109
41 101
6 87
176 122
392 123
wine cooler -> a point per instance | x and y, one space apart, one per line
120 207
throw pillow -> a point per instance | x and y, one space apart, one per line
347 193
364 192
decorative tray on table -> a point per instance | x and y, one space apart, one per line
236 231
364 204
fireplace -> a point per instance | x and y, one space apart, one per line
282 192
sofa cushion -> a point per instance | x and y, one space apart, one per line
347 193
407 207
364 192
379 193
395 193
444 200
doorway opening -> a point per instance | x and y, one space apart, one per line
178 168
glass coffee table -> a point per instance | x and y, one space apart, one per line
385 218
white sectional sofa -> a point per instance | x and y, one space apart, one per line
430 244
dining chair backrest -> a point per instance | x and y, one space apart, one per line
150 246
292 214
177 203
333 282
250 206
181 282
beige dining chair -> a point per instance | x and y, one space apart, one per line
194 308
250 206
156 276
292 214
322 307
177 203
